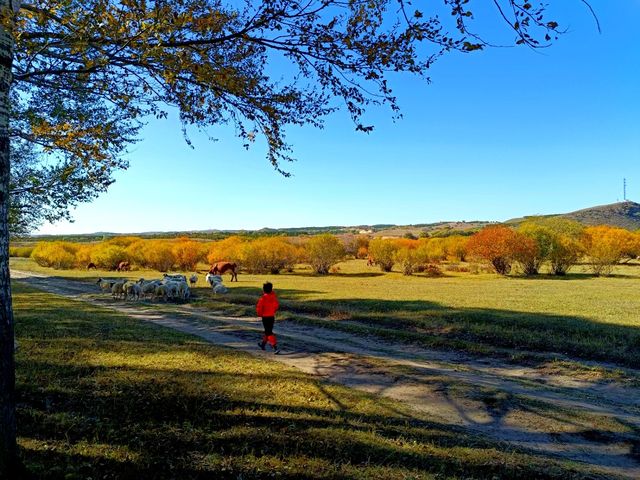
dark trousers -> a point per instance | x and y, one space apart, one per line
268 337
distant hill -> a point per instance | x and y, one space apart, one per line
621 214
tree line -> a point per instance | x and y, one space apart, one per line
556 243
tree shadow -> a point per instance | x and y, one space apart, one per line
168 430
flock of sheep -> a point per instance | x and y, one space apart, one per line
169 288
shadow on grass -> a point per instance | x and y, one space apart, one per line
100 396
173 429
438 325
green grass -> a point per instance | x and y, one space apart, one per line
578 315
104 396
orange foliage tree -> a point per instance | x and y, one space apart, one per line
229 249
158 254
497 245
268 255
605 247
59 255
187 253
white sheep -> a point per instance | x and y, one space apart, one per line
213 279
117 289
219 288
160 292
133 290
173 278
148 286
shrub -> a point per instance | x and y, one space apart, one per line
496 245
107 256
354 245
565 252
136 253
527 254
60 255
406 257
455 247
158 254
83 255
269 255
433 270
605 247
187 254
124 241
323 251
229 249
382 251
22 252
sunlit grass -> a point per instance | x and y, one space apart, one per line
578 315
103 396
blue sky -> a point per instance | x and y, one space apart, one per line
497 134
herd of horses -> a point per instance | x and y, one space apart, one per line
217 268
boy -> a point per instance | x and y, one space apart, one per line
267 308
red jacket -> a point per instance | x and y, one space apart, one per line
267 305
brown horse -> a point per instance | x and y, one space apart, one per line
92 266
221 267
123 267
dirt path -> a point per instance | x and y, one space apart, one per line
551 413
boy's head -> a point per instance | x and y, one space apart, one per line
267 287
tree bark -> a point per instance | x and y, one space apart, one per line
8 446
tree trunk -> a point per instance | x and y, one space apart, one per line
8 446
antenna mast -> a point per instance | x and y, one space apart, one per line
624 189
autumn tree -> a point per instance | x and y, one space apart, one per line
187 253
605 246
228 249
60 255
323 251
382 250
85 74
497 245
268 255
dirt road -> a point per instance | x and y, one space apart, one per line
542 409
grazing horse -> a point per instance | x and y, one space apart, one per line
123 267
221 267
92 266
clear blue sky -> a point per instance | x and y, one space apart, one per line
497 134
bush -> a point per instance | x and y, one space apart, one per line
60 255
22 252
323 251
229 249
382 251
269 255
408 258
107 256
433 270
187 254
158 254
497 245
605 247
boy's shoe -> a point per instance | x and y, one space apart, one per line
261 345
276 350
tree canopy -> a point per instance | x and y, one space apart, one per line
87 74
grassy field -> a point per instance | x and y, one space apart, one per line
103 396
592 318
